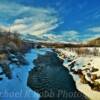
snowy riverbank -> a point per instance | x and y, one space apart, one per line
89 62
84 88
17 88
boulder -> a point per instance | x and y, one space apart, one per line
93 77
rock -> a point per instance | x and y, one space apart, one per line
79 71
12 58
93 77
38 46
1 73
89 64
84 66
82 79
22 60
1 78
72 66
69 59
17 58
7 71
95 86
94 70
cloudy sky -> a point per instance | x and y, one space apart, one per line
55 20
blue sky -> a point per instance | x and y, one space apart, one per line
55 20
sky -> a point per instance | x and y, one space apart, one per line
54 20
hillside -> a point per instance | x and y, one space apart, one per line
95 41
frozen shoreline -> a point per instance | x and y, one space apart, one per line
84 88
18 85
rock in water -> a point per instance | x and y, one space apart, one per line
52 80
6 69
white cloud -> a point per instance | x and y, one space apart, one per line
51 36
67 36
35 27
27 19
94 29
72 33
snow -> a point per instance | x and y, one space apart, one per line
84 88
67 52
18 85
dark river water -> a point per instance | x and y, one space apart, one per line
52 80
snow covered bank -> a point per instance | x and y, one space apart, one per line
93 95
16 88
85 88
80 62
